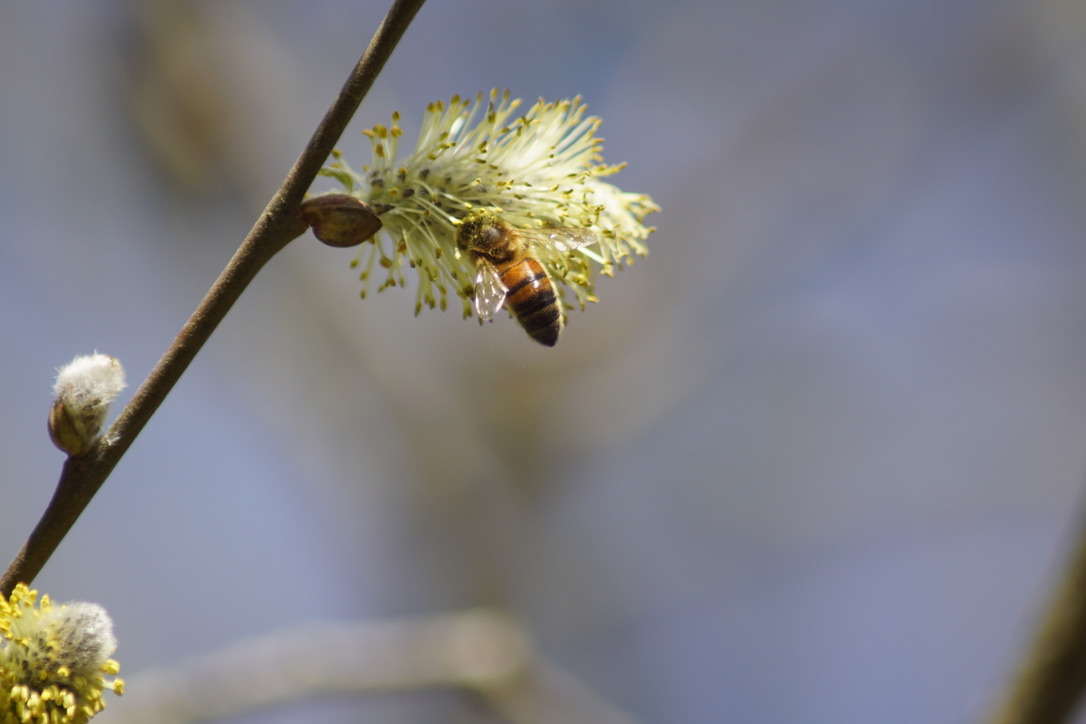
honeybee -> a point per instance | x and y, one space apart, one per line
507 273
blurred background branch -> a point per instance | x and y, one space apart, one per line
1051 676
485 653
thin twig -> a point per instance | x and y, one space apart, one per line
277 226
1049 685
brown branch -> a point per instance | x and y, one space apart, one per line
1049 685
276 227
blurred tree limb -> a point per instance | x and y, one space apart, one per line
482 651
1049 683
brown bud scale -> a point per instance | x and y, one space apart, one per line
340 220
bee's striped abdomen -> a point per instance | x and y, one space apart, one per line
532 300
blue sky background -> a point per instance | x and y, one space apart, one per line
815 460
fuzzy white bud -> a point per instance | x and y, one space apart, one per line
84 635
84 389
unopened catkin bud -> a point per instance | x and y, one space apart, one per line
84 389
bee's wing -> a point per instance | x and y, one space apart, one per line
561 238
489 290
